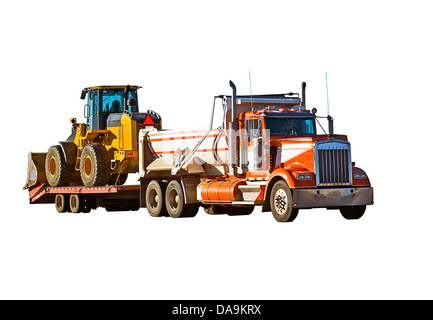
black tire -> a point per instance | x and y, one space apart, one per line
175 202
58 173
95 165
75 203
282 202
62 203
155 199
239 211
116 179
352 213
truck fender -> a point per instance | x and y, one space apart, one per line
69 151
279 174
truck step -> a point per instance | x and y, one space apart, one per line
242 203
250 192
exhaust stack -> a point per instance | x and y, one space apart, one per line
233 152
303 105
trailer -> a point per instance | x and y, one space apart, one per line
267 151
78 199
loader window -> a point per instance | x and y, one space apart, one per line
283 127
112 100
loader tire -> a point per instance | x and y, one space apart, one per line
57 171
95 165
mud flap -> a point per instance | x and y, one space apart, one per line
36 169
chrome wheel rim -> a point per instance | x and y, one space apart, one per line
280 202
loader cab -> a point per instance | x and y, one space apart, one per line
105 100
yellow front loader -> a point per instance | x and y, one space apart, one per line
101 151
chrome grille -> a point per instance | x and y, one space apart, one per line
333 163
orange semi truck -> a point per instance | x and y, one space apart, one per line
267 151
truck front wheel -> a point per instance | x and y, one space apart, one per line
282 202
352 213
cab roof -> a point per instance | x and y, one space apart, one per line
111 87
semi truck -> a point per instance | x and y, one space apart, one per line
266 151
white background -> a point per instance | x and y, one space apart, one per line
378 56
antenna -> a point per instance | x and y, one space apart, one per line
251 91
327 96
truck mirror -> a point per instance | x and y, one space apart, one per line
83 94
314 110
132 102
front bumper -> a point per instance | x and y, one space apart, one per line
331 198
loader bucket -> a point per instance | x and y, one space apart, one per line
36 169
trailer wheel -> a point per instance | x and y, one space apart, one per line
175 203
239 211
62 203
95 165
75 203
282 203
57 171
352 213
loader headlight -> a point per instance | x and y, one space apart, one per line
303 176
359 175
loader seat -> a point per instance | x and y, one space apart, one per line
115 106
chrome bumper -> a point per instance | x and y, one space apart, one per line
328 198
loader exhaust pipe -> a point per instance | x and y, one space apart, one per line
233 134
303 105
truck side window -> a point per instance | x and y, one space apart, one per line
254 128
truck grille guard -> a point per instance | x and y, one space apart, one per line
333 163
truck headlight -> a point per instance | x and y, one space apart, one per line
359 175
304 176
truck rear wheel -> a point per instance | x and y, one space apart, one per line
352 213
57 171
62 203
282 203
95 165
155 202
175 203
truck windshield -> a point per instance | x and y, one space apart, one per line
283 127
